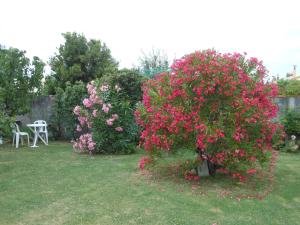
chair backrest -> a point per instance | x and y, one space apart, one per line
41 129
16 128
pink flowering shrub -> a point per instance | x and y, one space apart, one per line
105 121
216 103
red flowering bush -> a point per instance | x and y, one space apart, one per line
216 103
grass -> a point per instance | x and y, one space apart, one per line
54 185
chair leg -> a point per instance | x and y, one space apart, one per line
28 140
46 137
17 140
13 139
22 142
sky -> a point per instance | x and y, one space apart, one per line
268 30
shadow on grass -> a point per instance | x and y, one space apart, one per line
257 186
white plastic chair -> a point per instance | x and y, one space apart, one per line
42 130
17 135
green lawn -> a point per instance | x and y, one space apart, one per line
54 185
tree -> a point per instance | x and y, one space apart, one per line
20 80
81 60
131 81
282 86
288 87
153 63
50 85
37 74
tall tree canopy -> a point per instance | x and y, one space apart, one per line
81 60
20 79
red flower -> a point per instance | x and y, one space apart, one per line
143 161
251 171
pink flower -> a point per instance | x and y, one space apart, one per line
91 89
119 129
77 110
95 113
91 145
82 120
95 99
78 128
98 100
85 141
115 116
109 122
104 88
89 124
105 108
86 102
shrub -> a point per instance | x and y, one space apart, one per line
291 122
5 124
215 103
278 139
63 122
291 146
106 121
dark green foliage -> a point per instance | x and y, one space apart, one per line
5 123
55 120
49 86
291 122
63 122
81 60
20 80
130 81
